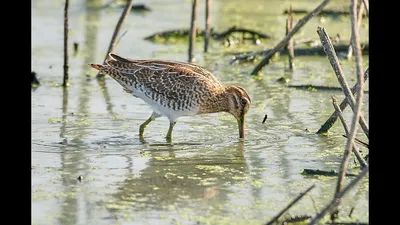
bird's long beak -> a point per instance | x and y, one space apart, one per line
241 126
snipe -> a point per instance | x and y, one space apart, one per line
174 89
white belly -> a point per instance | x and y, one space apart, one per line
165 110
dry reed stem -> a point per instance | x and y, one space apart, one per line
66 66
290 45
192 37
113 42
281 44
336 200
359 19
360 159
357 107
290 205
333 59
360 78
207 26
332 119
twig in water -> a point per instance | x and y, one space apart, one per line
330 51
192 37
336 200
314 204
295 219
66 66
207 31
233 29
290 205
76 48
34 80
265 118
113 42
281 44
332 119
346 130
363 143
322 172
351 211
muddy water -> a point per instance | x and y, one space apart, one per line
205 175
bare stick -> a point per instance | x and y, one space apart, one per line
359 19
357 107
281 44
346 130
360 76
332 119
121 20
208 22
290 205
192 37
366 4
65 80
337 199
290 45
330 51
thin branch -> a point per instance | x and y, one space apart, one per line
359 20
281 44
330 51
192 37
360 77
207 27
290 205
122 35
346 130
121 20
336 200
332 119
357 107
66 66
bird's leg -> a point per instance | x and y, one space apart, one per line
153 116
171 126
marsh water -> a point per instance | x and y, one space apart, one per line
205 175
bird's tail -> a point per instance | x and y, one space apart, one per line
119 58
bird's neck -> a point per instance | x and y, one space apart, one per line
217 103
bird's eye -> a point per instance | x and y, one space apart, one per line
244 101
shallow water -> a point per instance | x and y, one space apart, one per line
206 175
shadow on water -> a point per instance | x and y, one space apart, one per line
175 179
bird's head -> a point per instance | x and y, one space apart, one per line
238 105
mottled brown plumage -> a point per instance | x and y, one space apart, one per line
175 89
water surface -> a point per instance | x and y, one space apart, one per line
205 175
